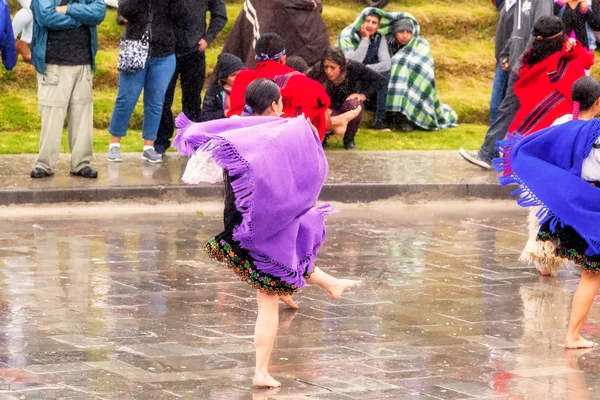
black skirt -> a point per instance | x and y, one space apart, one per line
569 244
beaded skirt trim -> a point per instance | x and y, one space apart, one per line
246 271
569 253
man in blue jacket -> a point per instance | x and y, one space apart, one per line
64 48
7 38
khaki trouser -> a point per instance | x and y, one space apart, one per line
66 90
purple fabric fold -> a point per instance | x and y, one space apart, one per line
277 168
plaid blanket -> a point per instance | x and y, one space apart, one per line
411 89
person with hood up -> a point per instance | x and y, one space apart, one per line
217 101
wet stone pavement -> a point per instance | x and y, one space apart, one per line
129 307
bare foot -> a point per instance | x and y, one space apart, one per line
288 301
265 381
339 123
342 284
578 343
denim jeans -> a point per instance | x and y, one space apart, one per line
382 98
154 79
498 91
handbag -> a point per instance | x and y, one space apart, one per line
134 53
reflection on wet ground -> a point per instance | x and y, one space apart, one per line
130 308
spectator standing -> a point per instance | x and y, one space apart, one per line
160 17
64 48
348 84
577 15
7 38
191 40
503 33
526 13
23 24
217 101
373 51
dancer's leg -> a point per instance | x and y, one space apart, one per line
338 123
582 302
333 285
264 336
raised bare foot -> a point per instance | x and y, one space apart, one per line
339 123
342 284
578 343
288 301
265 381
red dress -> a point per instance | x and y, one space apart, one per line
544 90
301 94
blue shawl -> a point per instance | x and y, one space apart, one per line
547 165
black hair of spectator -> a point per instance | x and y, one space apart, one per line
586 91
337 56
373 13
548 32
270 44
260 94
297 63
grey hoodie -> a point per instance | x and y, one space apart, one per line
527 12
504 32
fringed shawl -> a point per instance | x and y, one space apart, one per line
547 165
277 168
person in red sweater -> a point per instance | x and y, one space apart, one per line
548 70
301 95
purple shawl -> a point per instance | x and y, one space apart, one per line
277 168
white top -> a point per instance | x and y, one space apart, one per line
590 170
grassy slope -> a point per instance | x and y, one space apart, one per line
460 33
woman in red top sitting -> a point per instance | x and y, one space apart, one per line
548 70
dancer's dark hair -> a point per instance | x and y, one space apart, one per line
586 91
259 96
548 32
269 46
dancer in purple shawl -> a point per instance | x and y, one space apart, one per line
558 169
274 169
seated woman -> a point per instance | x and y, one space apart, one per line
412 95
548 70
217 99
348 84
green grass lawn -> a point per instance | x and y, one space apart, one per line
461 37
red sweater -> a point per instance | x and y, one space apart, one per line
301 95
544 90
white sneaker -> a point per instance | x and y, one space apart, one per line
114 154
152 156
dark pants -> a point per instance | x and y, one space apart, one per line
382 99
353 125
191 68
498 91
498 130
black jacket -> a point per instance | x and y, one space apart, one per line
166 15
212 108
574 20
194 29
359 79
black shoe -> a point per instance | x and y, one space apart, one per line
350 145
40 173
121 20
380 125
160 149
406 127
86 172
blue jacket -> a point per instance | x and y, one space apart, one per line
45 17
7 38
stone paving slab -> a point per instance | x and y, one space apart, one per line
353 177
129 307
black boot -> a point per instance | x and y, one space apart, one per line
349 141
